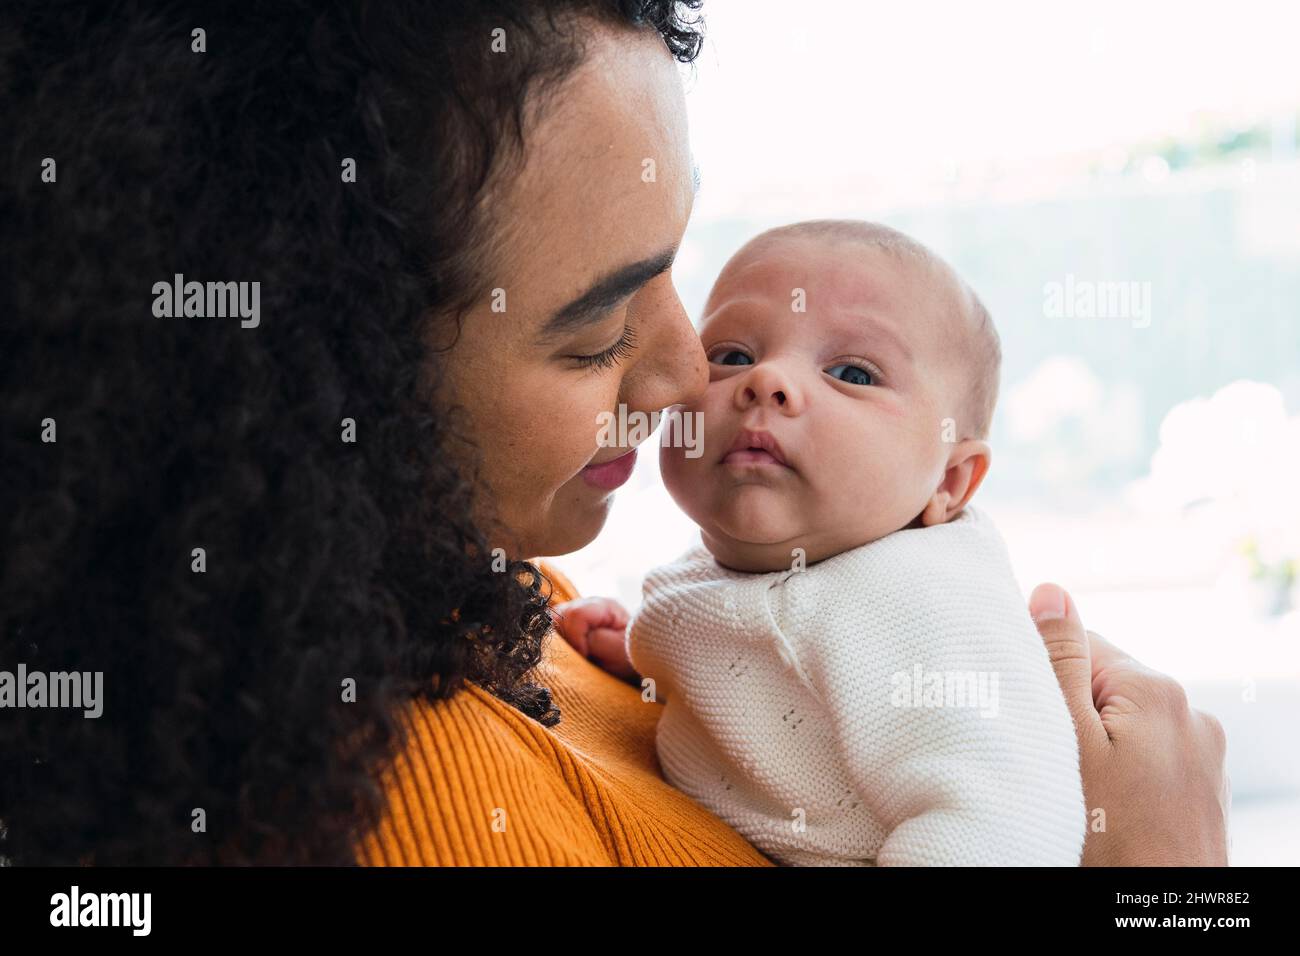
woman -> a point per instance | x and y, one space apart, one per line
295 549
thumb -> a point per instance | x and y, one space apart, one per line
1061 629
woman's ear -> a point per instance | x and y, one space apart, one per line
968 463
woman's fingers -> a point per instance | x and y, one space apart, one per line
1152 767
1105 654
1069 649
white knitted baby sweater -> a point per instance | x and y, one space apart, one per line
891 705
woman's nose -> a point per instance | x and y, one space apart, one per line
673 369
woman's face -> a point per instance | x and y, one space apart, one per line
583 317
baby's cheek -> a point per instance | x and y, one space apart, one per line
687 482
674 467
874 481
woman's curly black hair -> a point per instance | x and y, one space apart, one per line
326 560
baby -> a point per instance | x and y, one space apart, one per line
849 672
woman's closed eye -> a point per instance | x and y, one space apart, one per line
608 358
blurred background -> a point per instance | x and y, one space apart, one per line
1121 184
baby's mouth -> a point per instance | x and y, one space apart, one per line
755 448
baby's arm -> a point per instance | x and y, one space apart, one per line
989 778
597 629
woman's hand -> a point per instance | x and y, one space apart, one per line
1153 765
596 627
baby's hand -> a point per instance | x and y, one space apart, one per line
596 626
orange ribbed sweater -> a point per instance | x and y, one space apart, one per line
480 784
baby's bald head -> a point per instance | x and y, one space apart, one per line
968 328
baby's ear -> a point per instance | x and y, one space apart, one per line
968 463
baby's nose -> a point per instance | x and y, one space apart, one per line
777 394
769 385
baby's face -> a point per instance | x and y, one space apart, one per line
823 429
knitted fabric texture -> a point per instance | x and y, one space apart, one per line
891 705
480 784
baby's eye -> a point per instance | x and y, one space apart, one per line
732 357
852 374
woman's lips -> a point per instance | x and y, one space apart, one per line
608 475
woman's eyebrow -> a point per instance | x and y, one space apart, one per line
607 292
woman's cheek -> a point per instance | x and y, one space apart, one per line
596 421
